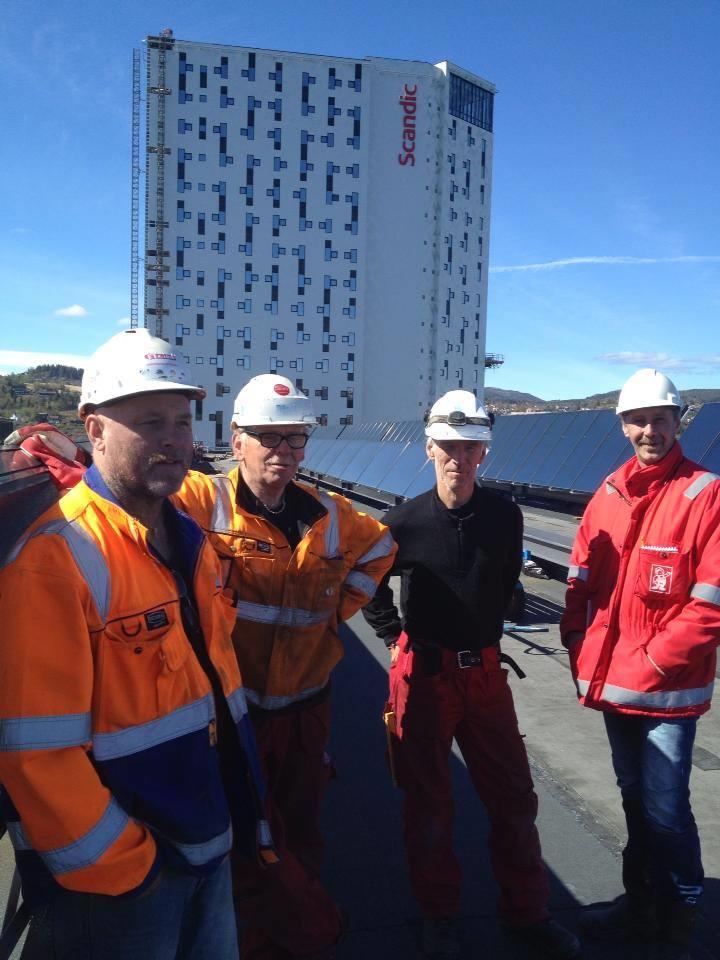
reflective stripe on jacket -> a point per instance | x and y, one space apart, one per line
644 588
289 602
107 719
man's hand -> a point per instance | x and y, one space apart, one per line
394 653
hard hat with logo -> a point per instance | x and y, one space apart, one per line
270 399
458 416
648 388
130 363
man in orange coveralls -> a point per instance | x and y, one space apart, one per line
127 760
297 562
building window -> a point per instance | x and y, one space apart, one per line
471 103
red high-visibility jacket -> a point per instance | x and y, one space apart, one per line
644 588
289 602
108 761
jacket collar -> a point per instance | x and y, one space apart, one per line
635 481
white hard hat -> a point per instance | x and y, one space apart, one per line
458 416
130 363
270 399
648 388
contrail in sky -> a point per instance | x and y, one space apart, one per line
576 261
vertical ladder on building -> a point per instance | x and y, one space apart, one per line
159 88
135 191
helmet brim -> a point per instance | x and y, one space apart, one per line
161 386
446 431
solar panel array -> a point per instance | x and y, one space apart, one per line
701 440
541 452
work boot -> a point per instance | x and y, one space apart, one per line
440 940
627 918
677 920
547 938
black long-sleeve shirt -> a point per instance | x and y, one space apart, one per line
458 569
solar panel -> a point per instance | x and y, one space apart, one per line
505 442
554 441
616 449
384 456
703 433
590 429
423 481
405 469
559 451
527 449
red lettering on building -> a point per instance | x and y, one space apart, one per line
408 102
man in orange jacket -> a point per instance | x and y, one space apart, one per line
298 563
642 625
126 756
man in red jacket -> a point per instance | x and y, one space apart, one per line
642 625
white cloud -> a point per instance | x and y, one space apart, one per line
16 361
74 311
661 361
123 323
603 261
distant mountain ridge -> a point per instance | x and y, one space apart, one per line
516 400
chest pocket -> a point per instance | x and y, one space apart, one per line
663 573
141 663
320 581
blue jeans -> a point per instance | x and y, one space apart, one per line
652 760
179 917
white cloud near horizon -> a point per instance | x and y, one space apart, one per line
123 323
602 261
660 361
17 361
74 311
639 359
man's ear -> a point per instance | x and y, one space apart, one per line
95 429
430 449
236 444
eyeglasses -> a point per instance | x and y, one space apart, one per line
296 441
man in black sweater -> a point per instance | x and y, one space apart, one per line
459 556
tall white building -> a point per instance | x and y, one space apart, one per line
322 217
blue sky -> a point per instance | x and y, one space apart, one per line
604 250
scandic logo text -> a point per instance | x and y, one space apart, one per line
408 102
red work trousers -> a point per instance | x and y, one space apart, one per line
294 915
474 705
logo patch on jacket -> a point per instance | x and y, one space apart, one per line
660 578
156 619
264 547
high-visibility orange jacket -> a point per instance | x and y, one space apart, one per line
289 602
108 760
644 590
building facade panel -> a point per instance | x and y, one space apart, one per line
295 210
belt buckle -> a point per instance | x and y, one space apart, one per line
461 654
